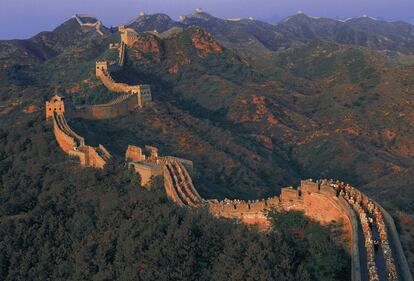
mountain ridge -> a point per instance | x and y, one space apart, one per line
396 37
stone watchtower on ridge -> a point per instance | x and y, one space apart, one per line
101 67
56 104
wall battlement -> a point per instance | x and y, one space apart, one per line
54 105
120 106
175 171
329 201
85 20
306 198
128 35
103 70
143 92
70 142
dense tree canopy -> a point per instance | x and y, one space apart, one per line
59 221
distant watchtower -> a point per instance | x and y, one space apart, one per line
101 67
56 104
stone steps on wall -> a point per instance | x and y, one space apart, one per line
181 182
169 187
185 184
64 127
177 183
188 182
181 195
122 51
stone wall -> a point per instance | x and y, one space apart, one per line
249 212
134 153
70 142
143 92
128 35
66 142
147 163
96 24
319 202
170 189
146 170
121 106
56 104
103 71
188 164
95 157
122 54
178 182
404 268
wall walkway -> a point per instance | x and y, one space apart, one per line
73 144
96 24
118 107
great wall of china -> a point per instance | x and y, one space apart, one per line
69 141
89 21
374 244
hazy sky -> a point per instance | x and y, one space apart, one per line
25 18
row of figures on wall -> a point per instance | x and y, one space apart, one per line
375 232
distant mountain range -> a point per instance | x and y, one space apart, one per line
363 31
243 34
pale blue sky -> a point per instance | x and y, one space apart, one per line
25 18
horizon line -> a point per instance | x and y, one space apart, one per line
201 11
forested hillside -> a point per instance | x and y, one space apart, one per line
59 221
254 114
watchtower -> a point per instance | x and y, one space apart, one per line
101 67
56 104
134 153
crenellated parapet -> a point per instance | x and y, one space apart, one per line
142 92
318 202
69 141
89 21
128 35
175 171
327 202
121 106
104 68
55 105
